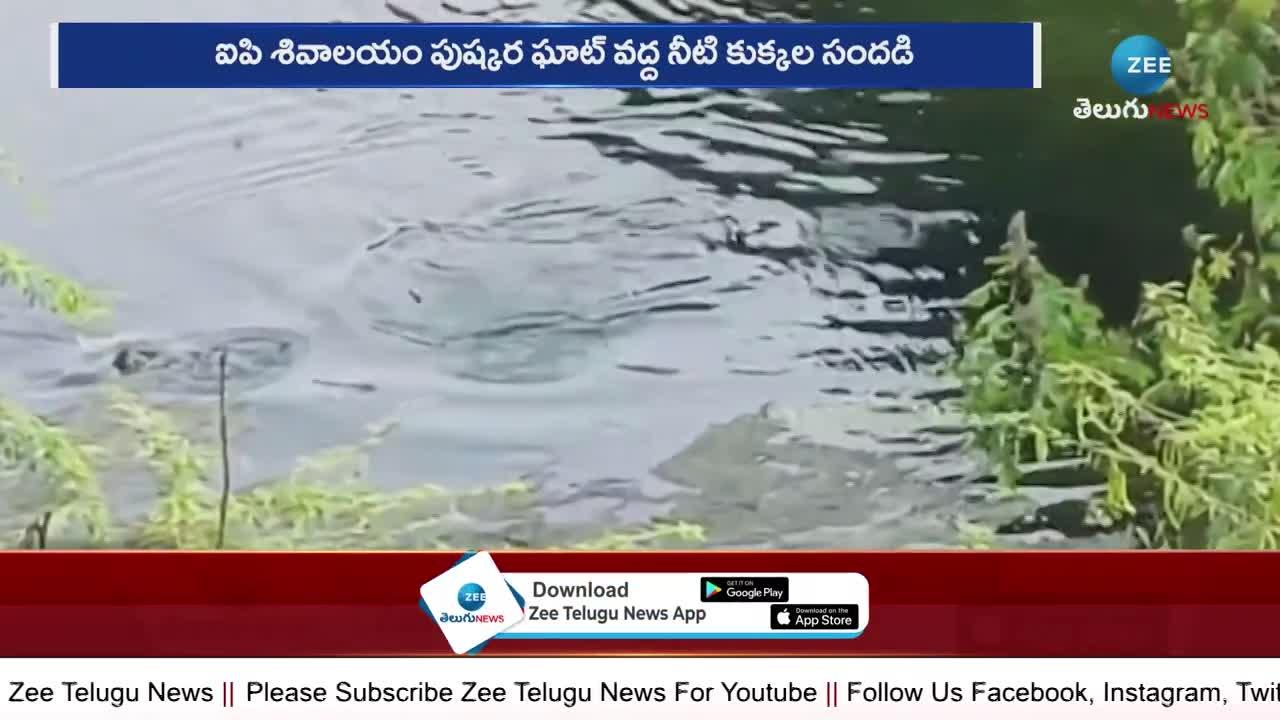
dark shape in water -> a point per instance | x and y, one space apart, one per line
190 363
736 240
364 387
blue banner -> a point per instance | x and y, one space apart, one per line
216 55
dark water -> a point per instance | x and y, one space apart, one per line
538 285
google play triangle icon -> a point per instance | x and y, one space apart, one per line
711 589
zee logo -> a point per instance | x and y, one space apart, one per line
471 597
1150 66
1141 65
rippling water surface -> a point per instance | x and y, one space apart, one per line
730 306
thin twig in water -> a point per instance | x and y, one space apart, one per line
364 387
37 533
226 452
403 14
43 532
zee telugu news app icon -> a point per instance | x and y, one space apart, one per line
745 589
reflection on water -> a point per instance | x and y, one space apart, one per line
597 290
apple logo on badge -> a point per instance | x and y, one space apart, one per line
784 617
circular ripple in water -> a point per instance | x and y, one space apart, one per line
485 308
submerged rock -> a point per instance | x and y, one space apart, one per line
797 478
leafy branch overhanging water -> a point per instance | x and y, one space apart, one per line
1181 410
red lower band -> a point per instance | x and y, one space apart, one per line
1148 604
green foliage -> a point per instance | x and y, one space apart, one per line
39 285
1026 318
1231 62
1176 405
30 446
661 535
975 536
44 288
1184 405
180 516
324 502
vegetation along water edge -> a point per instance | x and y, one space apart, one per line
1179 412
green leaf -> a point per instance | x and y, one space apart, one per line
1254 10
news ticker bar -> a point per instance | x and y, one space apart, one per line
343 55
764 688
326 604
586 606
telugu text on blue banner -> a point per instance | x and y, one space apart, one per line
333 55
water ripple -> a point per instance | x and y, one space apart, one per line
572 284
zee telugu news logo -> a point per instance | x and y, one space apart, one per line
471 597
1141 66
